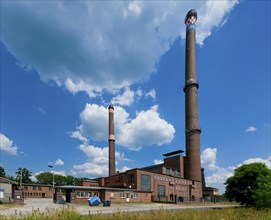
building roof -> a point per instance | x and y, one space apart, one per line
98 188
8 181
173 153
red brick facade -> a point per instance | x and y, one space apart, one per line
37 191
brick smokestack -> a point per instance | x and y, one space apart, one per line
192 130
111 141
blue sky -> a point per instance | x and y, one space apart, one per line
63 63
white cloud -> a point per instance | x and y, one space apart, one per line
124 169
111 45
126 99
218 175
208 158
7 145
78 135
251 129
267 161
59 162
146 129
157 161
152 94
42 110
97 161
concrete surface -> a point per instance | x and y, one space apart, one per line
42 205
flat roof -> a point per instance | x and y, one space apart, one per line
173 153
98 188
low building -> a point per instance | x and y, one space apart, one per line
81 194
31 190
208 193
10 191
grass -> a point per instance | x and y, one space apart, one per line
208 214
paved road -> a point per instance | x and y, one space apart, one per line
44 204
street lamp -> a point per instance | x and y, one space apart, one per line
51 166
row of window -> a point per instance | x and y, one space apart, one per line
166 179
172 172
133 195
180 188
34 194
86 194
39 188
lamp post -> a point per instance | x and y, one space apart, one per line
51 166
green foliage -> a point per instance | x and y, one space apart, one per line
25 173
250 185
2 172
47 178
262 195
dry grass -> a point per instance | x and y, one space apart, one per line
208 214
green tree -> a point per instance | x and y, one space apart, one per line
262 195
25 173
45 178
249 184
2 172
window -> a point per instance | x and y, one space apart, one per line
86 196
34 187
161 191
131 178
135 195
167 171
96 194
145 182
39 188
25 187
122 195
78 194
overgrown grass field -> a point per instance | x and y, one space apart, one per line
208 214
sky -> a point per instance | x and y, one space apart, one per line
63 64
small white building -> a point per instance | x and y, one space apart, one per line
7 190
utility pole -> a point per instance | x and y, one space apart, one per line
21 180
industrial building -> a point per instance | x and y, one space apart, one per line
179 177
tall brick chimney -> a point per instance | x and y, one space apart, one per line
111 141
192 130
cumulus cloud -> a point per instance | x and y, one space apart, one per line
146 129
208 158
127 98
251 129
267 161
7 145
97 161
157 161
152 94
59 162
110 46
217 175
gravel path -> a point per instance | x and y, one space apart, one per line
42 205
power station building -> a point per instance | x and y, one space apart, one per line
179 177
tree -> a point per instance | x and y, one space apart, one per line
25 173
45 178
249 185
2 172
262 195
